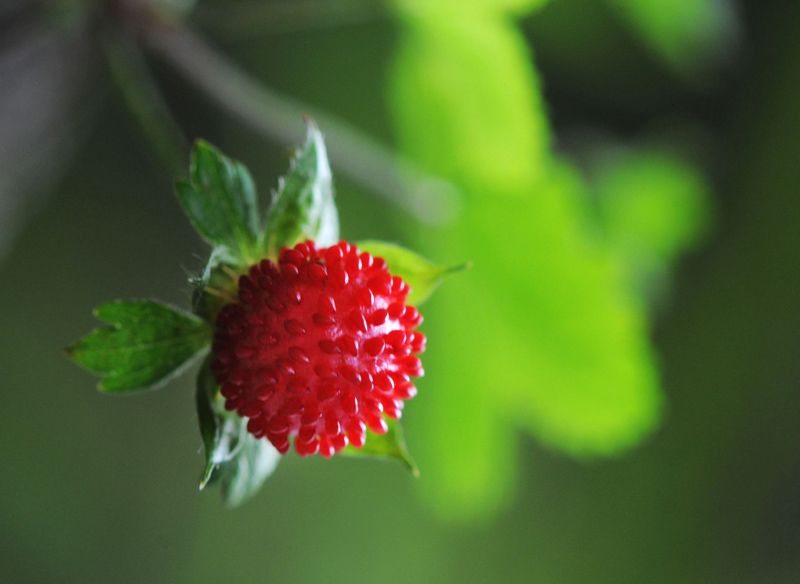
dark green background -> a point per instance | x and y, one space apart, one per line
103 489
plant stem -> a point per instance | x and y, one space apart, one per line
132 77
277 117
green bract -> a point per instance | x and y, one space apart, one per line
303 207
220 200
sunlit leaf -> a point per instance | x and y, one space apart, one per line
147 345
543 333
421 275
466 102
428 8
652 203
390 445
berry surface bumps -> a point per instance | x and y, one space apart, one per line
319 347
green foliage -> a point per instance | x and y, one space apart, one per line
220 200
147 344
392 444
686 34
457 86
421 275
303 207
544 333
653 205
475 8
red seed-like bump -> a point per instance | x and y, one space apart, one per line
325 372
298 355
294 327
374 346
318 348
323 320
350 404
317 273
339 442
349 345
332 426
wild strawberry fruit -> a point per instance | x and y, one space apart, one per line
319 347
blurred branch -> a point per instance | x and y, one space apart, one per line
129 71
277 117
249 18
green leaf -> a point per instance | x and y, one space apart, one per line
303 207
389 445
687 35
652 203
444 8
653 206
244 473
466 102
148 344
421 275
543 334
220 200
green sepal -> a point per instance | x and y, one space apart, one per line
220 200
233 457
148 344
422 276
211 425
303 208
243 475
216 286
390 445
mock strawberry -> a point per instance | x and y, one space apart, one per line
320 347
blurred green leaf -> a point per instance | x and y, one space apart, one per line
543 332
653 203
653 206
572 361
685 34
421 275
392 444
303 207
220 200
439 8
466 102
148 344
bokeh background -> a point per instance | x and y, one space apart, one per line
612 389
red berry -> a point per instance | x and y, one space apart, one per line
319 347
